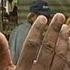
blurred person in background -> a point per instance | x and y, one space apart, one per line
19 34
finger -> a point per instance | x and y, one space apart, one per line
49 43
5 56
32 44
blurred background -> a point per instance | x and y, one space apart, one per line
55 5
20 8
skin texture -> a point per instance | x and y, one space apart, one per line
5 56
62 57
46 55
32 44
40 52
